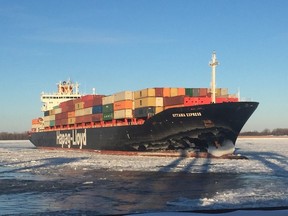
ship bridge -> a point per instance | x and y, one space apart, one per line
67 90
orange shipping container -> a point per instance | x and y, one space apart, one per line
181 91
120 105
71 114
166 92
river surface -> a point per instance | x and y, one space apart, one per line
60 182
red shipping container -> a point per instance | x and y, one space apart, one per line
158 92
203 92
97 117
171 101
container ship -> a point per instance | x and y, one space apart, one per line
162 119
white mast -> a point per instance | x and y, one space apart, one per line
213 63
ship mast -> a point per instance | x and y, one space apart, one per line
213 63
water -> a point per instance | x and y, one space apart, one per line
38 181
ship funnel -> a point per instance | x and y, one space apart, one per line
213 63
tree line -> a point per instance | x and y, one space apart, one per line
267 132
14 136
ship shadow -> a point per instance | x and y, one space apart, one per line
174 188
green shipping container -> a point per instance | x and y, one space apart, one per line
189 91
107 116
52 123
108 108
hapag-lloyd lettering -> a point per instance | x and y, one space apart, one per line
71 138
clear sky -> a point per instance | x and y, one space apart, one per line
115 45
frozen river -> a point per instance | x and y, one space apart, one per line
35 181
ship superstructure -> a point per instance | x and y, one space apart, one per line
66 90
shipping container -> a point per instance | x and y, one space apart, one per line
189 92
147 111
79 105
158 92
149 92
181 91
122 96
68 108
97 109
203 92
108 116
67 103
97 117
122 114
71 120
52 123
195 92
51 112
71 114
148 101
108 100
166 92
61 116
108 108
49 118
171 101
92 100
82 112
173 92
46 123
57 110
121 105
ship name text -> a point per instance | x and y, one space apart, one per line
183 115
73 138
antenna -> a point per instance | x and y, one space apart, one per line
213 63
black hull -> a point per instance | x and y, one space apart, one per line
194 127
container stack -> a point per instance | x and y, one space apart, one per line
123 105
149 101
142 104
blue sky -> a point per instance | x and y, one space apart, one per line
115 45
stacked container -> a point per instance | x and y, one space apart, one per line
147 103
125 105
108 107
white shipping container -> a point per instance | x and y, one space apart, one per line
46 123
82 112
125 95
79 112
108 100
121 114
58 110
